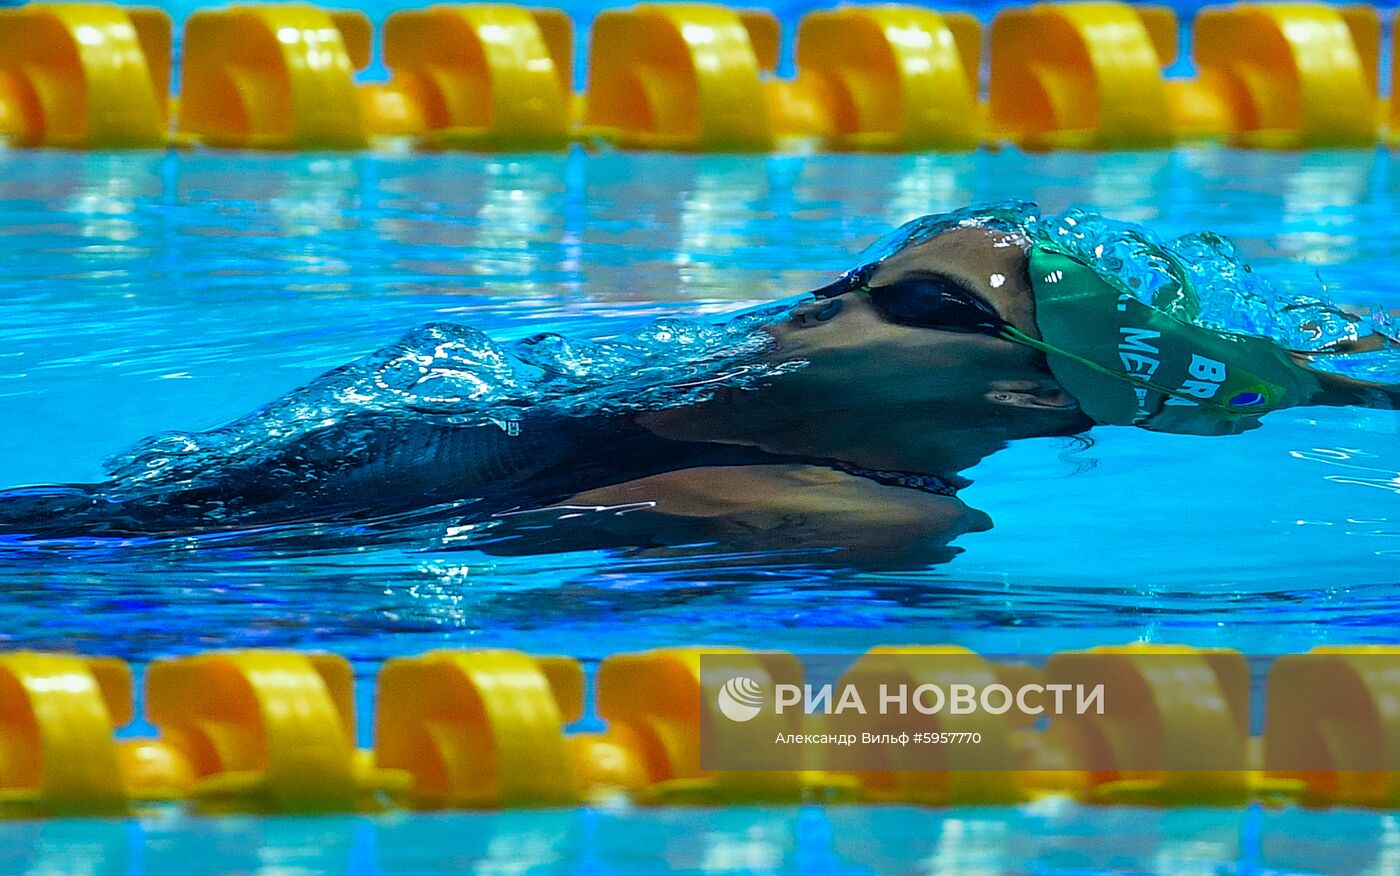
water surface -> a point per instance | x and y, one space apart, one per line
146 292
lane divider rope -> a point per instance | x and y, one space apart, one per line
274 731
694 77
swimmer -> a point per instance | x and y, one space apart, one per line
835 425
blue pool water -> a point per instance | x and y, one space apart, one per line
140 293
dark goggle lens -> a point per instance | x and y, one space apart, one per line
936 304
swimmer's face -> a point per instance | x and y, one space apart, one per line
882 388
903 368
930 309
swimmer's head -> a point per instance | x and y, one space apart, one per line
1115 317
908 345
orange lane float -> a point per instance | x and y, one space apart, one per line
480 76
274 77
695 77
84 76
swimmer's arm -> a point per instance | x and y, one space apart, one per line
1340 390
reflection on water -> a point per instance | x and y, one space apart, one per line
1050 837
146 292
930 184
1355 469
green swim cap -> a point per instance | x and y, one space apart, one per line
1129 363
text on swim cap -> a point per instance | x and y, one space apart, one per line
1207 375
1141 359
